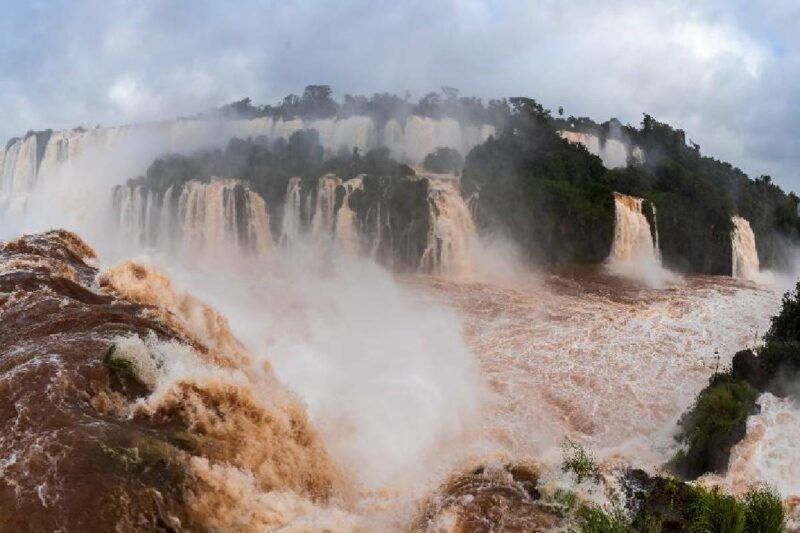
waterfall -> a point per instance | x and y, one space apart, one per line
166 218
347 233
634 251
451 233
212 215
56 157
743 244
633 240
614 152
19 169
129 206
215 220
259 235
325 209
291 222
382 223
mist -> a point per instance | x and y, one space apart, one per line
391 324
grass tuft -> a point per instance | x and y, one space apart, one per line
576 459
764 511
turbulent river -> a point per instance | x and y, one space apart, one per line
411 378
305 385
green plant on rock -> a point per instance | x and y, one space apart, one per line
119 366
764 511
714 512
562 501
576 459
713 425
596 519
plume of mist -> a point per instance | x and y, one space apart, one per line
385 373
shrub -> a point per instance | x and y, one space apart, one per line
713 425
562 501
780 362
714 512
785 325
443 160
576 459
764 511
595 519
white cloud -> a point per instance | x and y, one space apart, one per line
727 75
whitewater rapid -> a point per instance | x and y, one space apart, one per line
610 365
406 378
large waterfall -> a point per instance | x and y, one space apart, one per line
743 244
217 220
417 223
22 161
634 250
451 235
633 238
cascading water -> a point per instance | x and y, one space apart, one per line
347 233
745 255
216 220
613 152
451 234
19 169
634 250
24 159
291 223
324 219
388 405
211 217
633 240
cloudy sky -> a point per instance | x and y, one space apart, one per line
726 71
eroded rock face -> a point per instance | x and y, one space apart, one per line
101 431
502 497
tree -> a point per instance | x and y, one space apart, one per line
443 160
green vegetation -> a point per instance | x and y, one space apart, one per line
390 189
764 511
662 503
554 198
551 197
667 504
579 461
713 425
717 420
595 519
317 102
785 326
714 512
562 501
119 366
443 161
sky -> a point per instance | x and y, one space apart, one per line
725 71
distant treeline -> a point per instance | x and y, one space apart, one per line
391 206
555 198
317 102
266 166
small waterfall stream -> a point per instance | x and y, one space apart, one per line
745 256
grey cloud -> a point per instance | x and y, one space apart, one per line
725 72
